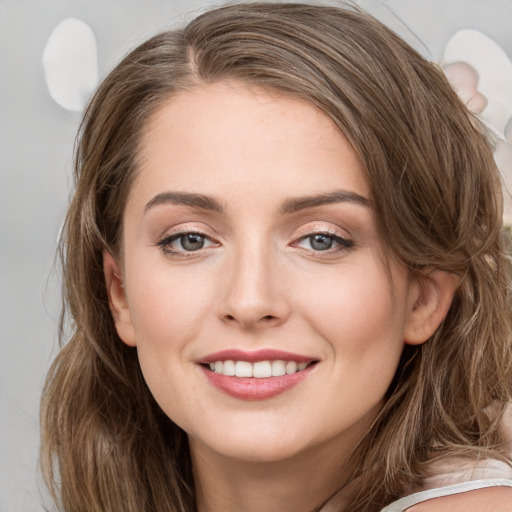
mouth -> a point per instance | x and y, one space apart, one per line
259 369
256 375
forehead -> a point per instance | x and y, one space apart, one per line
226 137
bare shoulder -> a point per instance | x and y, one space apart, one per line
492 499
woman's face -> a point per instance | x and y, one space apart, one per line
250 247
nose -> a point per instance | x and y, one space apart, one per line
253 292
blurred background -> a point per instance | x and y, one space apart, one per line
42 93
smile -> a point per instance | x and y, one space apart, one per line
258 375
258 370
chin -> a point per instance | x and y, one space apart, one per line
257 443
258 452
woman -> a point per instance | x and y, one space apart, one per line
286 277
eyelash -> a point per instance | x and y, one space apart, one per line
343 243
165 243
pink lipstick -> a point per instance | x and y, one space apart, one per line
255 356
257 375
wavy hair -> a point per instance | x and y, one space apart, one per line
106 445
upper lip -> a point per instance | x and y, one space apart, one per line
254 356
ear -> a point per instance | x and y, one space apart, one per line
117 299
433 295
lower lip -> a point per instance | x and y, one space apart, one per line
251 388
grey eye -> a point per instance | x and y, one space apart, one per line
186 242
192 241
320 242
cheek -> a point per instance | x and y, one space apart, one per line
169 308
168 311
358 312
361 317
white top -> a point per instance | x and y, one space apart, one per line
338 501
413 499
450 476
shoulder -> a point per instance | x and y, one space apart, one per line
491 499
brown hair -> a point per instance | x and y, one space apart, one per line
106 445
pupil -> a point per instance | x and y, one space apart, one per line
192 241
321 242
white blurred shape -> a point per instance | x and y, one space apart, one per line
508 131
494 72
464 79
503 157
70 61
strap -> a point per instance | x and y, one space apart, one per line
403 504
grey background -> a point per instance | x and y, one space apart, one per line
36 141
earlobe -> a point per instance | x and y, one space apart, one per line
117 299
433 298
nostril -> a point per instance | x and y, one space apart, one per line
266 318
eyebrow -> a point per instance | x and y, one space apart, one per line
296 204
187 199
291 205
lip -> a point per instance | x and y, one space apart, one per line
255 356
251 388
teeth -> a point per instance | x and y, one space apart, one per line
291 367
243 369
258 370
262 369
278 368
228 368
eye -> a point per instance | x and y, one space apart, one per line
191 241
320 242
185 242
324 242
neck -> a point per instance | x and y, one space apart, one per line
301 483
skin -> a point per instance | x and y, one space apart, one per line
258 283
495 499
